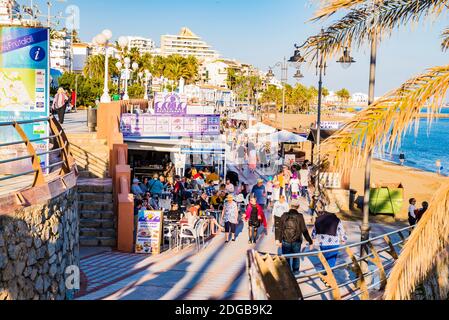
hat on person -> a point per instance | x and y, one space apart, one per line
136 180
295 203
332 208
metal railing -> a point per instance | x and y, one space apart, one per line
57 137
362 269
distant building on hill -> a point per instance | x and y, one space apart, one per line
186 43
144 45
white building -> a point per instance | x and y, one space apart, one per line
60 51
332 98
96 50
208 95
81 52
359 97
144 45
215 73
10 14
186 43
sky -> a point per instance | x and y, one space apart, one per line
262 32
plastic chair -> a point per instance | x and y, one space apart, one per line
200 231
187 232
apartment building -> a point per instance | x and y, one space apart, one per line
144 45
186 43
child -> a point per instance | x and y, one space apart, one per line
294 185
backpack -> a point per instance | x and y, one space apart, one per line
291 231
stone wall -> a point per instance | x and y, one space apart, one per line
37 244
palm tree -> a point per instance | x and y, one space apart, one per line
94 67
384 122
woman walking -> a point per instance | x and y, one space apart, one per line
280 207
59 104
330 234
230 216
255 217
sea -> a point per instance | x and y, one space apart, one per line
424 148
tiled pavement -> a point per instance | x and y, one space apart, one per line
218 271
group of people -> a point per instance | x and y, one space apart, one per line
415 214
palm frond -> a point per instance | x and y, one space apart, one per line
387 119
418 257
445 37
357 26
329 7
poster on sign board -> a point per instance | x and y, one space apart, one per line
149 232
24 93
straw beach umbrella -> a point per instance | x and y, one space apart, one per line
386 120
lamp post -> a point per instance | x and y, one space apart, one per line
284 78
146 79
119 66
127 70
320 66
102 39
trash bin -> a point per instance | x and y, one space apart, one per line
92 119
387 199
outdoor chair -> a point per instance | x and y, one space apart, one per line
187 232
200 231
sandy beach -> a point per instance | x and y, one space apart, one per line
418 184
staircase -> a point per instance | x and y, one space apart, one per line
91 155
96 210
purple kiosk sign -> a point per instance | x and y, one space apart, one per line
170 119
171 104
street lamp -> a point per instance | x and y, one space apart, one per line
119 66
320 66
346 60
284 78
148 77
103 39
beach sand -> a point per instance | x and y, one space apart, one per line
417 184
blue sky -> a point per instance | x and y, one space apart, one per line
262 32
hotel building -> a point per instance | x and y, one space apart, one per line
186 43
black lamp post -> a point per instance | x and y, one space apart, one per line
320 66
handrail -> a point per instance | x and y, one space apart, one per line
373 257
57 133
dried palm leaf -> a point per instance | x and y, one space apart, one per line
357 26
329 7
387 120
427 241
445 42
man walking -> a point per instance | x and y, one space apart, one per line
260 193
292 228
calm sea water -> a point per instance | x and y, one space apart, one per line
425 148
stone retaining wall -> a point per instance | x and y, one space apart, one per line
37 244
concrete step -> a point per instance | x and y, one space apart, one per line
96 197
98 233
91 185
106 215
95 206
98 242
86 174
97 223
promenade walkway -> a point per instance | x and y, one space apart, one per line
218 271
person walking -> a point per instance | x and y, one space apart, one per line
412 212
59 104
292 228
230 216
294 185
73 99
279 209
241 155
329 234
304 177
254 216
259 192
